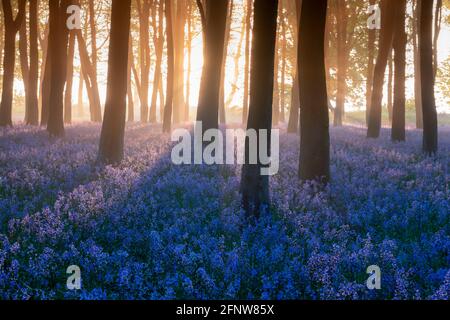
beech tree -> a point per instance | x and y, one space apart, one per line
58 42
430 131
214 34
113 129
254 186
168 108
398 111
315 139
12 26
385 46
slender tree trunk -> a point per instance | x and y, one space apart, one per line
113 129
385 45
400 40
283 63
32 109
179 35
248 23
370 67
168 109
208 105
23 59
69 83
390 86
222 104
129 83
90 79
417 85
437 31
45 78
342 61
58 41
12 26
158 39
430 131
144 45
80 95
189 63
276 87
254 185
315 138
294 116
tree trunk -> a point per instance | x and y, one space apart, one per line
189 57
179 35
11 28
23 59
168 109
46 72
130 100
294 116
315 139
283 63
370 67
58 41
430 131
113 129
417 87
90 79
32 109
254 185
208 105
248 23
389 86
69 79
144 45
342 61
158 39
80 95
385 45
276 87
400 40
222 104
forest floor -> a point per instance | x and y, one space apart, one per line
148 229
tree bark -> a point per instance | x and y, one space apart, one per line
130 100
179 35
248 23
113 129
430 131
390 86
158 39
32 109
400 40
254 185
385 45
168 108
315 139
58 41
69 80
11 27
294 116
417 86
208 105
144 45
370 67
222 104
90 79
